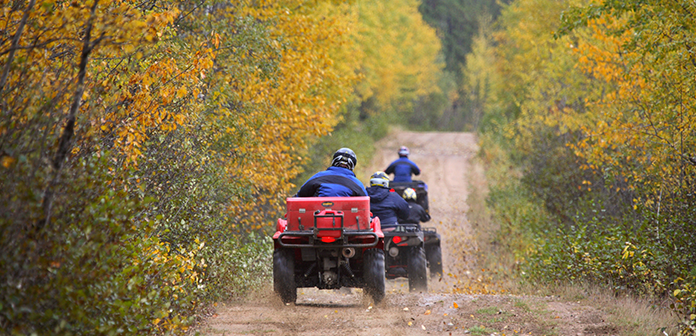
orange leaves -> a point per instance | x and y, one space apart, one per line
636 118
621 86
157 97
7 161
126 97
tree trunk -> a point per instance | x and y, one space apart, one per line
65 142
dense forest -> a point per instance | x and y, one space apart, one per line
146 146
589 130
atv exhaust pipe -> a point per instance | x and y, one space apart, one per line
393 251
348 252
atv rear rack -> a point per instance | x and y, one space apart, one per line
313 234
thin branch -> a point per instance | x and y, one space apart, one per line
15 42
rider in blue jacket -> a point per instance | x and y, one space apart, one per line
337 180
403 168
388 206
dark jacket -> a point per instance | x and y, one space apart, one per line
388 206
417 214
335 181
402 168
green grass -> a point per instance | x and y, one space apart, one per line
488 311
481 330
521 305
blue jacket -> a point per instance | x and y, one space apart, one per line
388 206
402 168
335 181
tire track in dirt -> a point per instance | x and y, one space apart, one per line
459 303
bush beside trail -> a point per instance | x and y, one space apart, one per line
589 144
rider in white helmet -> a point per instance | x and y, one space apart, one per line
417 214
388 206
403 167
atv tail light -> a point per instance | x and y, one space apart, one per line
328 239
396 239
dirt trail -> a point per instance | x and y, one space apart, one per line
450 306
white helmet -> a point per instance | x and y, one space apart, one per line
410 194
379 179
403 151
344 157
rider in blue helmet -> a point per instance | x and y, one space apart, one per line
337 180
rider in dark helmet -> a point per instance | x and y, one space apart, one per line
388 206
403 168
337 180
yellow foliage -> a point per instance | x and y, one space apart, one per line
642 116
398 50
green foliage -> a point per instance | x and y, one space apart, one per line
459 25
145 148
482 330
430 111
587 132
94 269
686 304
512 202
457 22
352 132
401 81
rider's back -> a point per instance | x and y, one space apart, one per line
403 168
388 206
334 181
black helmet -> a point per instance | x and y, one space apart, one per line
344 157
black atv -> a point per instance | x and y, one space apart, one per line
405 255
431 239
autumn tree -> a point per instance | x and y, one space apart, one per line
396 57
593 109
146 145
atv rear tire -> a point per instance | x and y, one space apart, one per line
434 255
417 271
373 272
284 275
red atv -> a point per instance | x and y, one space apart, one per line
328 243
